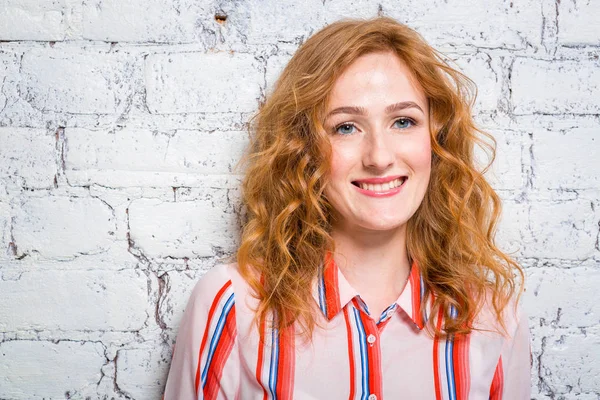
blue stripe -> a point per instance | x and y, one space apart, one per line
322 302
363 354
450 369
384 313
450 361
217 336
422 292
274 363
363 305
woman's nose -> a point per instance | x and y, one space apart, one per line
378 152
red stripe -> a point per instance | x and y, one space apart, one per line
436 360
415 284
285 367
382 325
497 386
211 312
462 375
261 351
222 351
332 297
373 355
350 352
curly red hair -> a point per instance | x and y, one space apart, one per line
287 229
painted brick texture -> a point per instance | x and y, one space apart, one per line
121 124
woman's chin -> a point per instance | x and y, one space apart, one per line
383 224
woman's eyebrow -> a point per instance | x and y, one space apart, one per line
403 105
348 110
362 111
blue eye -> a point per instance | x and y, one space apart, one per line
403 123
345 129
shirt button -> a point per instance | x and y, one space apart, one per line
372 397
371 339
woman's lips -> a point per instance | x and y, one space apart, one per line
377 180
386 189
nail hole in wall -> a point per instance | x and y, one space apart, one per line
220 18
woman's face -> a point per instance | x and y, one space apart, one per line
378 124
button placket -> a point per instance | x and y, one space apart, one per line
371 339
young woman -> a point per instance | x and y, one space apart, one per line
367 267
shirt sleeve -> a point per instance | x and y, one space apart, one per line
205 361
512 380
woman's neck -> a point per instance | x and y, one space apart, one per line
375 263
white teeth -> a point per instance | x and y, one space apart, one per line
382 187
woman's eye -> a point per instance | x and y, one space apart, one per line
403 123
345 129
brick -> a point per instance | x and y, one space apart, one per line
269 21
506 171
549 297
564 159
27 157
334 10
577 23
75 300
77 82
485 72
555 87
564 230
141 157
63 227
511 227
144 20
9 69
570 362
180 286
485 24
142 373
4 232
115 258
32 20
198 82
275 66
200 228
38 369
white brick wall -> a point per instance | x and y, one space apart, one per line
27 157
198 82
77 83
556 86
144 21
32 20
33 369
120 126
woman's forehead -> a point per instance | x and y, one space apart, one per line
376 79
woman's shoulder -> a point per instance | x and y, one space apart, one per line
221 282
511 315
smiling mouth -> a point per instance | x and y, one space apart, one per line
380 187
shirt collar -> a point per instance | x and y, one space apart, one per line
333 292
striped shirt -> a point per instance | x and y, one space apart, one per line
221 354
